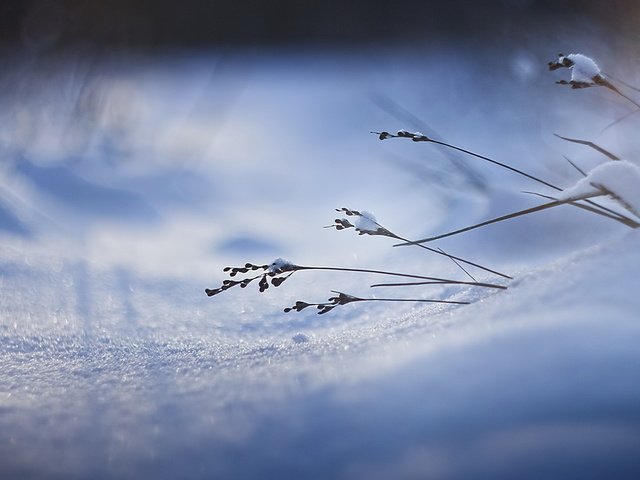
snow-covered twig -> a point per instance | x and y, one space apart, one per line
280 270
585 73
366 224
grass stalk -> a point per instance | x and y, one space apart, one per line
527 211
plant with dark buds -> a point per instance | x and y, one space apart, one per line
585 73
366 224
415 136
344 299
272 272
280 270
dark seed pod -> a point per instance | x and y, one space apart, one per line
299 306
264 284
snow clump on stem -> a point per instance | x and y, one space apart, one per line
618 179
584 70
366 223
280 265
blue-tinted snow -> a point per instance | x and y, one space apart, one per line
141 178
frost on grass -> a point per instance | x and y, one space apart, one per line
618 179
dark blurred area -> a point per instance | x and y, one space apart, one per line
153 24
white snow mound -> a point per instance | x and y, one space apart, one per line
366 222
584 68
618 179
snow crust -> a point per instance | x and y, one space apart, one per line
619 179
546 369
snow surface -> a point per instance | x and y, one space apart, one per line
127 185
540 381
619 179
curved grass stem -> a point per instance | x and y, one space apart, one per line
408 284
433 280
520 213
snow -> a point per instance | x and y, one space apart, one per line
279 265
300 338
366 222
584 68
547 370
619 179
